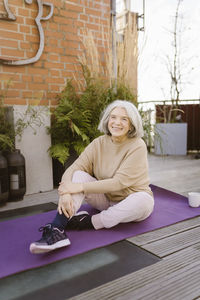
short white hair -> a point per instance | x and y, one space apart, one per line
133 114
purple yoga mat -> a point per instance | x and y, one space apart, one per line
16 235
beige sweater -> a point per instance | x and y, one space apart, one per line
120 168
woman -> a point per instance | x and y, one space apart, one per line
111 175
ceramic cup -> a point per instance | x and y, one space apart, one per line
194 199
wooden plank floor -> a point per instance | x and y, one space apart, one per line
176 276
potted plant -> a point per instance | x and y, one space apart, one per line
170 132
9 131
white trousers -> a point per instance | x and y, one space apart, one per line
136 207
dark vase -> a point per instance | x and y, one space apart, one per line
17 175
4 190
59 169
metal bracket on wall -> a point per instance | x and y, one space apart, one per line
10 17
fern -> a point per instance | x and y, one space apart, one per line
60 152
6 142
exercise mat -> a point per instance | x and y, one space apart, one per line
17 234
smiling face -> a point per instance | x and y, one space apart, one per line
119 124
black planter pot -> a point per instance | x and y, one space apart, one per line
17 175
59 169
4 186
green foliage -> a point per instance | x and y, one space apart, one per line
76 118
32 117
6 129
69 127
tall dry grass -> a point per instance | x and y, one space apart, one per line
127 55
98 58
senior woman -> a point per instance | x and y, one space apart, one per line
111 174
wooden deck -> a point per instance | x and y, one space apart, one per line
176 276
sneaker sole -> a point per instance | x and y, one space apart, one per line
37 249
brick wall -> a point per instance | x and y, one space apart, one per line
40 82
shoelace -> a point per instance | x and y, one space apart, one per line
49 235
46 231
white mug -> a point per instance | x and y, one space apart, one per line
194 199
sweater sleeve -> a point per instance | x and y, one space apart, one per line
131 171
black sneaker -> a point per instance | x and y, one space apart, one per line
52 238
80 221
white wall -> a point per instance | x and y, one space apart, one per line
39 175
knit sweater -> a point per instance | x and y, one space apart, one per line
120 168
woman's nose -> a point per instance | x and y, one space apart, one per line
117 120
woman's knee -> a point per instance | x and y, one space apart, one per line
81 176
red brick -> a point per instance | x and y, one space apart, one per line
11 35
53 26
57 35
68 28
13 101
27 94
72 52
11 26
83 17
75 8
37 86
55 80
19 85
93 12
38 79
25 45
55 73
8 43
24 29
53 57
67 14
12 93
70 44
26 78
32 38
23 12
54 88
54 50
30 21
12 52
53 65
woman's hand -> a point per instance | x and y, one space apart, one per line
65 205
70 188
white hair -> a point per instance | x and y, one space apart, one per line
133 114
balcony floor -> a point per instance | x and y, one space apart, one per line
176 272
